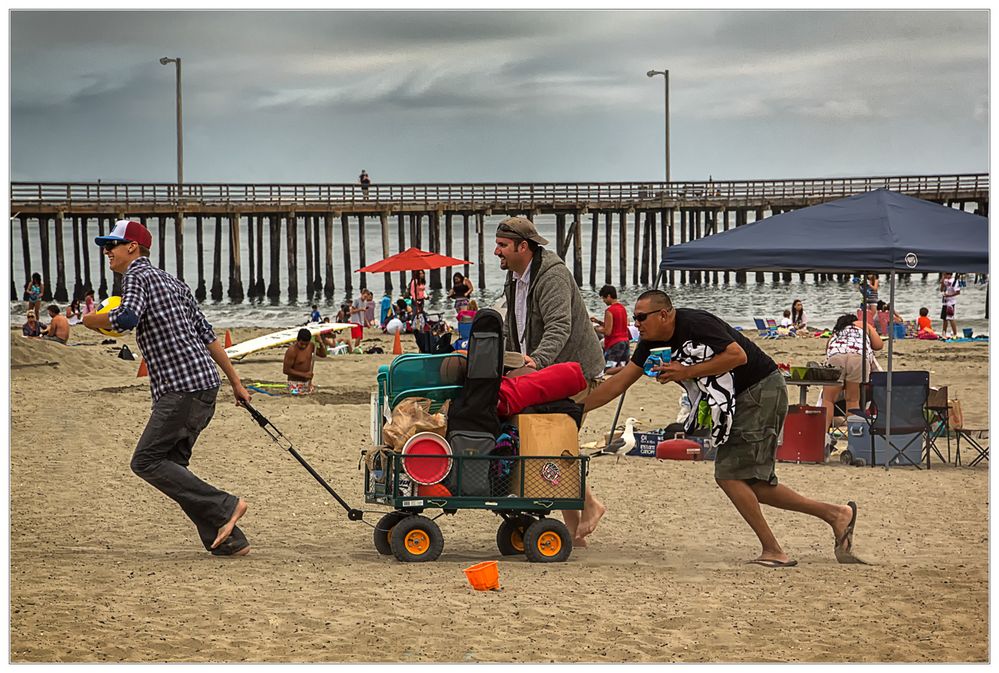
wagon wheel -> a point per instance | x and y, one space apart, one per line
547 541
510 536
846 457
416 539
383 531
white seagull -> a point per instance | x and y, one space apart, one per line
622 445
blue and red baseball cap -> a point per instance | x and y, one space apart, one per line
125 231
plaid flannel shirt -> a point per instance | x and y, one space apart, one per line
172 333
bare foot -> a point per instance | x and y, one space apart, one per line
592 518
226 530
579 543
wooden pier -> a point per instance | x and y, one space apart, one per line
647 216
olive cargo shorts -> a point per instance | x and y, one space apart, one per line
749 453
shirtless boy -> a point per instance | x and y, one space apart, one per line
298 362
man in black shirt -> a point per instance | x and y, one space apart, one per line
747 400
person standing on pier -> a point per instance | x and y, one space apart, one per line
747 399
547 321
365 182
179 346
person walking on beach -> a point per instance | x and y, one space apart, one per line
179 346
547 321
747 400
614 330
418 290
948 294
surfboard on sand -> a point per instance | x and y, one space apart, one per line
286 336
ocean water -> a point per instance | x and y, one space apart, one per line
736 303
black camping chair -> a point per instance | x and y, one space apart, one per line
908 403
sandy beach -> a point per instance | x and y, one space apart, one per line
105 568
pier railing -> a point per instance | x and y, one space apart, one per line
477 195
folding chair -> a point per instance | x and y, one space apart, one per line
938 418
764 331
974 439
908 402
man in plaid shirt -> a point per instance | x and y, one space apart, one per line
179 346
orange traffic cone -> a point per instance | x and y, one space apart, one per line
397 345
228 339
142 369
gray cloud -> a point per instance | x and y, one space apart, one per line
271 94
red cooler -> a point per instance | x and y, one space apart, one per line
804 435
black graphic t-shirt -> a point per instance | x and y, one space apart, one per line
700 327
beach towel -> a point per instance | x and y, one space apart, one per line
717 391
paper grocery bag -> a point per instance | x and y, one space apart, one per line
554 436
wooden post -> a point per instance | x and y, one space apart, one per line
652 245
635 255
560 235
60 284
724 215
309 289
26 250
646 249
217 261
622 259
161 230
713 215
274 287
387 281
402 248
260 256
607 248
178 243
465 242
251 287
740 220
448 249
317 277
43 234
759 216
85 244
434 227
77 285
235 263
348 281
361 253
481 230
593 249
694 221
683 239
199 234
291 233
329 287
577 248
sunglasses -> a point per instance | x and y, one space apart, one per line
640 317
111 245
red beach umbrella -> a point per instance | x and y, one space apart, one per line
412 260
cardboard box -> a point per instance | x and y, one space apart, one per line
550 436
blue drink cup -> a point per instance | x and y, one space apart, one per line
657 356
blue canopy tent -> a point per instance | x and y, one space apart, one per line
877 232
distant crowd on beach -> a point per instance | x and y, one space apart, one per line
58 327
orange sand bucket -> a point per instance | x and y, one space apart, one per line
484 576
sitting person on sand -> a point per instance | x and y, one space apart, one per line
73 312
298 362
925 325
798 320
31 328
468 313
89 306
58 329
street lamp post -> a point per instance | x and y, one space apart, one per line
180 125
665 74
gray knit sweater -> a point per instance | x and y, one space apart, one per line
558 325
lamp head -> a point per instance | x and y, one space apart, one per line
651 73
167 61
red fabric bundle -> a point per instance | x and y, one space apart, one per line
555 382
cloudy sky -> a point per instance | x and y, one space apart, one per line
497 96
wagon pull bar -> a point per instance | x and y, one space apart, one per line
277 436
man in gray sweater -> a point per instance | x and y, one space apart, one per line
548 323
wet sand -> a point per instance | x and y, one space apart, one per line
104 568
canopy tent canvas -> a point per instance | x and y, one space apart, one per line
880 232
